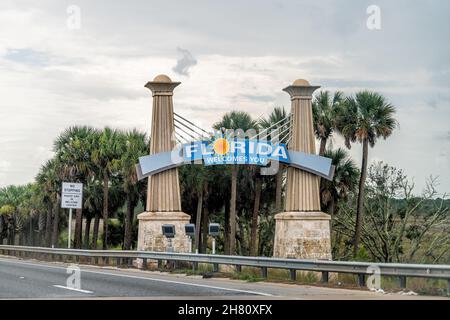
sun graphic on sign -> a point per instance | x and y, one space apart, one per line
221 146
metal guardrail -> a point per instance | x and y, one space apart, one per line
362 269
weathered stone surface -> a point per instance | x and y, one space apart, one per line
150 235
163 193
302 235
302 231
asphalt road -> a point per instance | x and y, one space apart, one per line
24 279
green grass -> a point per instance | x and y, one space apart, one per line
420 286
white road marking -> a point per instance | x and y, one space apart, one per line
145 278
185 283
73 289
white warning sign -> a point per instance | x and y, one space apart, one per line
72 195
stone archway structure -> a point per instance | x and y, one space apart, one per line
302 231
163 193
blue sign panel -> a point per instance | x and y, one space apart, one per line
235 151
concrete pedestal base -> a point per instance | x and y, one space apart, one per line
302 235
150 237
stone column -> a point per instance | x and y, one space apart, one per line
302 231
163 194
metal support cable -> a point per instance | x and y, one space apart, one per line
188 128
195 138
179 137
274 125
286 137
276 135
193 124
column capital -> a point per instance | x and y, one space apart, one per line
162 85
301 89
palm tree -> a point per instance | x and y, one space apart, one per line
255 213
234 120
364 118
135 146
93 202
7 212
194 187
13 208
324 108
106 155
276 119
49 180
345 179
74 152
31 205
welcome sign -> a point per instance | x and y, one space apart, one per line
234 151
221 151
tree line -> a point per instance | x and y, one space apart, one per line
237 196
104 161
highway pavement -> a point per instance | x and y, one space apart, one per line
31 279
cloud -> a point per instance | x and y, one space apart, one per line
4 165
359 83
259 98
27 56
185 62
53 77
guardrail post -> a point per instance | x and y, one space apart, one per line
402 282
195 266
238 268
144 264
263 272
361 279
325 276
160 264
118 262
216 267
293 274
448 287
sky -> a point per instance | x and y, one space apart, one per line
79 62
